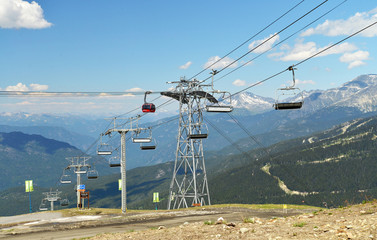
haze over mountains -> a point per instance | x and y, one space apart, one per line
322 109
42 158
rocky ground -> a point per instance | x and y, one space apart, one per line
351 222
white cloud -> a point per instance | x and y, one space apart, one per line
18 87
266 46
346 27
239 83
186 65
221 64
22 87
21 14
305 82
356 64
302 50
355 59
136 89
38 87
350 57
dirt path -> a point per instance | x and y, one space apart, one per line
30 217
137 222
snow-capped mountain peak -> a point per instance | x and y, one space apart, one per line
252 102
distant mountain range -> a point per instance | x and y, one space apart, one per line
314 166
322 109
25 156
336 167
57 133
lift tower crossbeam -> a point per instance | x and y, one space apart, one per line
189 186
123 131
80 166
52 196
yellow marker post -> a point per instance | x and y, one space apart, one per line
29 188
285 208
156 198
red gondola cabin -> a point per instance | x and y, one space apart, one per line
148 107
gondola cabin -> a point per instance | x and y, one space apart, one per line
148 107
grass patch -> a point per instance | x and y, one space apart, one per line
209 222
300 224
248 220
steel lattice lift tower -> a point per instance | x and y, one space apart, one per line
189 186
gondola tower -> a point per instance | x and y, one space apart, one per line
189 185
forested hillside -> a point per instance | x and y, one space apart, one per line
333 166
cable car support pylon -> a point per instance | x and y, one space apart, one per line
123 130
189 185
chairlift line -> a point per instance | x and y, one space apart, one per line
4 93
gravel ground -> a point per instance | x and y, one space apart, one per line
352 222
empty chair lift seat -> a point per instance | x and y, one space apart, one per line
198 136
147 147
288 106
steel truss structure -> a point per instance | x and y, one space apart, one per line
189 185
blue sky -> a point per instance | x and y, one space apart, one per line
121 45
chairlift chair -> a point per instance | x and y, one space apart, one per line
114 161
92 174
214 105
64 202
148 145
103 148
199 132
43 206
65 178
289 91
139 138
148 107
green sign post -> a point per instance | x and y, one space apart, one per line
29 188
156 198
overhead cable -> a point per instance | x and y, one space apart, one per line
269 25
268 39
280 42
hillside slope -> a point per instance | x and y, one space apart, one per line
333 166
